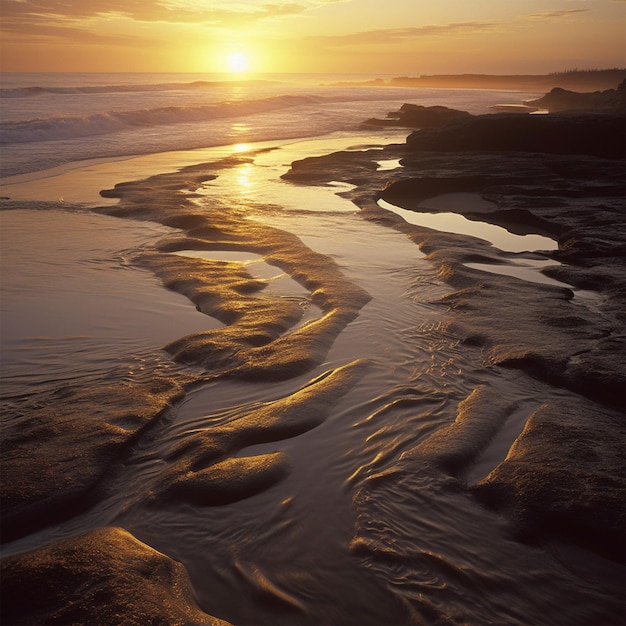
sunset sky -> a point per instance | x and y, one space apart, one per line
398 37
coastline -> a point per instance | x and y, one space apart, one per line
582 80
581 354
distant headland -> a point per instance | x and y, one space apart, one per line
585 80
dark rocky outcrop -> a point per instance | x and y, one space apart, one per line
564 133
562 100
417 116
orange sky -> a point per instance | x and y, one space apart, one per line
398 37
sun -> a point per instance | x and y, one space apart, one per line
237 62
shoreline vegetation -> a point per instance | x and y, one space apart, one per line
562 482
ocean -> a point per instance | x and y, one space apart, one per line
312 352
53 119
65 137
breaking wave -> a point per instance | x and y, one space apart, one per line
70 127
26 92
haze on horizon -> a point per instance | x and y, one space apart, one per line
394 37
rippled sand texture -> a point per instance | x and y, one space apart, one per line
407 439
562 480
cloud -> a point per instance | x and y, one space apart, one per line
555 15
44 33
37 10
396 35
77 20
39 21
172 11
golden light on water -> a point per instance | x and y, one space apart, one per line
244 178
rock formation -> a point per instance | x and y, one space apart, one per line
563 100
417 116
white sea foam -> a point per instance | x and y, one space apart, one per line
53 128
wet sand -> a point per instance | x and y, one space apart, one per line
407 439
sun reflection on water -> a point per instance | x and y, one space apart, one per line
243 177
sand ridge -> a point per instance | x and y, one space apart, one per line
82 450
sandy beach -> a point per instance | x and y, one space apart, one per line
344 412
